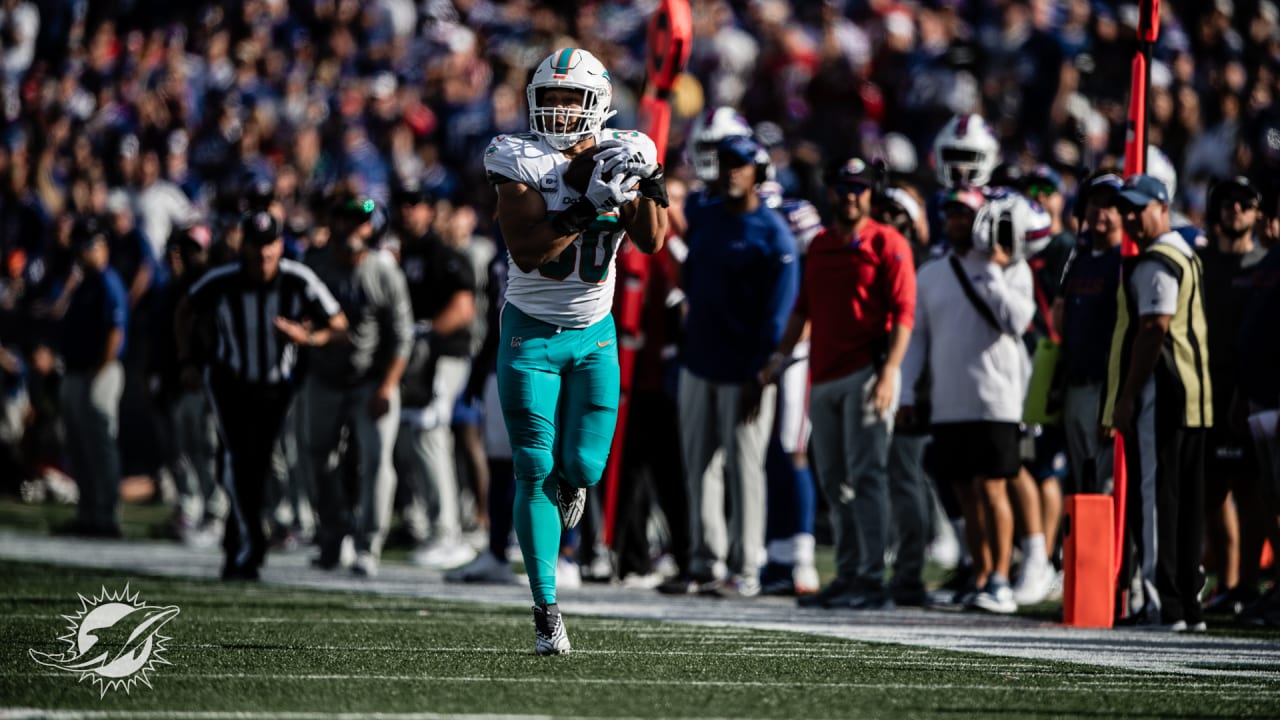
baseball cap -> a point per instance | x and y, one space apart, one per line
411 192
1142 190
854 171
260 228
1235 189
739 150
87 231
1042 179
1107 185
968 197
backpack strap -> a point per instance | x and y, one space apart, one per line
978 303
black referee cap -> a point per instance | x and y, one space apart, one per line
260 228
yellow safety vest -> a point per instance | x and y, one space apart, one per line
1183 368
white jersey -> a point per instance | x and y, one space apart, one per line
576 289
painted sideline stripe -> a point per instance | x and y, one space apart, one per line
1119 686
34 714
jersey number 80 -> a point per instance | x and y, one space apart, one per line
594 260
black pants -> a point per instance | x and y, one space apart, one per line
651 469
249 417
1165 464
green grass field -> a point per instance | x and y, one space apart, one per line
261 651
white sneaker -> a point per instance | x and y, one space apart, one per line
1035 583
944 551
347 555
1055 590
443 554
642 582
366 565
485 568
737 586
806 579
568 575
996 597
600 569
549 636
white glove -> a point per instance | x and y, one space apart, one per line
620 158
608 196
610 159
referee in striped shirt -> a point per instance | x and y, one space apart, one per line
243 323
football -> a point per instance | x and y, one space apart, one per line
578 174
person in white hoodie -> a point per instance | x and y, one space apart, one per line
971 310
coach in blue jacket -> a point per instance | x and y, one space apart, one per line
741 279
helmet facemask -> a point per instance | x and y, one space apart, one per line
565 126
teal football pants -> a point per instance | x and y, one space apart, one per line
559 390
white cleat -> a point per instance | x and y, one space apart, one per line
572 501
549 636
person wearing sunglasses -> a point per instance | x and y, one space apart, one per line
857 300
1233 500
357 384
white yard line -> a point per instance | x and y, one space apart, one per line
722 620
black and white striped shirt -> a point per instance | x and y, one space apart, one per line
246 342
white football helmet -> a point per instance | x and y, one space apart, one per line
1005 219
1159 167
577 69
965 152
709 128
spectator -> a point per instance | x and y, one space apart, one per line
93 314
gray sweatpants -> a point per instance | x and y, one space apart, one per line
330 410
709 422
90 407
1089 459
911 496
424 456
851 451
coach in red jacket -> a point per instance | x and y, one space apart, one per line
858 299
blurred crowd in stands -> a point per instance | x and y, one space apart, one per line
160 124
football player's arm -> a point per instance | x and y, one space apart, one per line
646 223
531 237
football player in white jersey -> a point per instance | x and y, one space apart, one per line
558 375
